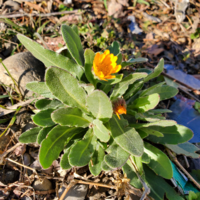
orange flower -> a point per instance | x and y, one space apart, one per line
119 107
104 65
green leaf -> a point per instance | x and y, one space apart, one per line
157 71
105 167
43 118
3 96
146 103
43 133
97 159
65 87
148 117
50 58
159 162
89 88
29 136
152 132
89 58
127 137
83 150
40 88
133 89
161 123
129 170
73 44
54 143
187 149
142 133
118 78
101 132
119 59
64 162
160 111
99 104
151 90
133 61
116 156
159 187
75 29
71 117
146 158
164 91
172 134
121 87
44 104
114 48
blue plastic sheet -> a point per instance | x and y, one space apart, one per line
133 26
184 113
182 76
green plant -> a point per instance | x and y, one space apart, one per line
196 34
81 114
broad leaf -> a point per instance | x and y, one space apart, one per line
146 103
96 161
71 117
54 143
73 44
116 156
89 58
43 118
114 48
83 150
50 58
129 170
157 71
159 162
43 133
148 117
187 149
30 136
44 104
119 59
99 104
105 167
161 123
89 88
40 88
75 29
65 87
159 187
146 158
151 132
101 132
165 91
172 134
121 87
142 133
64 162
133 61
127 138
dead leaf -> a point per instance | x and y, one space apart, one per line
20 150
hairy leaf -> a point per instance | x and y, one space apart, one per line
40 88
43 133
83 150
121 87
97 159
99 104
44 104
71 117
127 138
65 87
30 136
73 44
50 58
54 143
133 61
116 156
43 118
101 132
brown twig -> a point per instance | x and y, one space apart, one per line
73 182
182 168
39 15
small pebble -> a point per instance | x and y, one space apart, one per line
27 159
42 185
